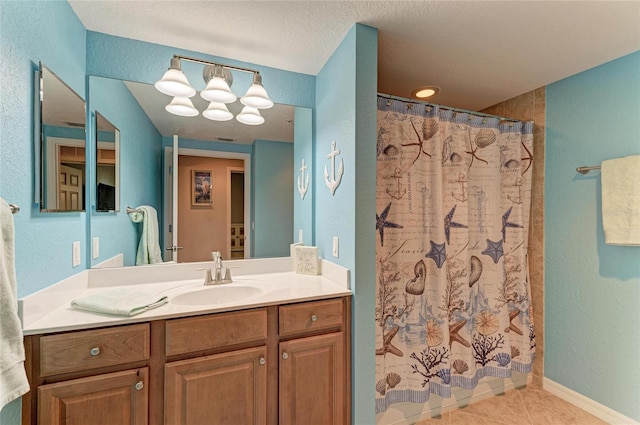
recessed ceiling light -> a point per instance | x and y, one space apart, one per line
425 92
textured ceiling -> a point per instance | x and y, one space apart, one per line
478 52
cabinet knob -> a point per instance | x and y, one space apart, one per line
139 385
262 360
314 318
94 351
285 355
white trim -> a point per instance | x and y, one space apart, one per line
230 171
598 410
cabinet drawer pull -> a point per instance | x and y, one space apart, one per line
94 351
314 318
285 355
139 385
262 360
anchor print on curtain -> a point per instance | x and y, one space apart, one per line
453 298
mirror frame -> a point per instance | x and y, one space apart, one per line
40 147
96 164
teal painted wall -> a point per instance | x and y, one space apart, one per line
51 33
32 32
273 200
140 159
303 149
592 290
346 113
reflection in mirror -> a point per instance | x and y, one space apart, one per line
107 165
62 146
218 225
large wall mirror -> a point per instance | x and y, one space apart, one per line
62 145
107 165
236 209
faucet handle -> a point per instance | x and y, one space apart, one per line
227 274
208 279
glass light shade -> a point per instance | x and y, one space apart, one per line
217 111
250 116
174 83
218 90
182 106
257 97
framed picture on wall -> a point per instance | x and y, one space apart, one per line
201 189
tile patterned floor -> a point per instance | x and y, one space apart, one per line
527 406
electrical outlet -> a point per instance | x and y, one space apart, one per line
95 249
336 251
76 255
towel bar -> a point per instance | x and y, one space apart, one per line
133 210
585 170
14 208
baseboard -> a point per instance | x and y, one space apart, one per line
598 410
409 413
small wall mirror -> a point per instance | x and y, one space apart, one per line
107 165
62 145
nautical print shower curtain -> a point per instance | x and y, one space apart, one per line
453 297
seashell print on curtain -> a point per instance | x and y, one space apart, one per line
453 298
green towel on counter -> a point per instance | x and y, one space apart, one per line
120 302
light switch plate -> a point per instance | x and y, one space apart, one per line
300 235
95 249
76 256
336 247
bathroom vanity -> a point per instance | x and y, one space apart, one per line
281 358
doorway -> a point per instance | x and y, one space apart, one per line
203 224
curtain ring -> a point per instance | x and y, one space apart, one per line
389 102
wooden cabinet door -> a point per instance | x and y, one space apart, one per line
227 388
312 380
112 398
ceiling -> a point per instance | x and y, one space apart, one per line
478 52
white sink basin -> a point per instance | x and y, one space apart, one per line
218 294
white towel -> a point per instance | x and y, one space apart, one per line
621 200
13 379
149 246
120 302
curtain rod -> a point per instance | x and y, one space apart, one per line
449 108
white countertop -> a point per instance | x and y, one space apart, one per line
49 310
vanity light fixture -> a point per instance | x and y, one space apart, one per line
218 79
425 92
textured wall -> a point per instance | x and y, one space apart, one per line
532 106
273 200
592 290
33 32
140 173
346 113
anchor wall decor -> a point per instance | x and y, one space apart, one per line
334 182
303 180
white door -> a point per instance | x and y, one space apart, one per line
69 188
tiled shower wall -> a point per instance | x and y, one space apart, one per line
531 106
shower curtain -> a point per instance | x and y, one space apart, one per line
453 297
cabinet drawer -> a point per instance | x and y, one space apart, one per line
310 316
216 331
76 351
